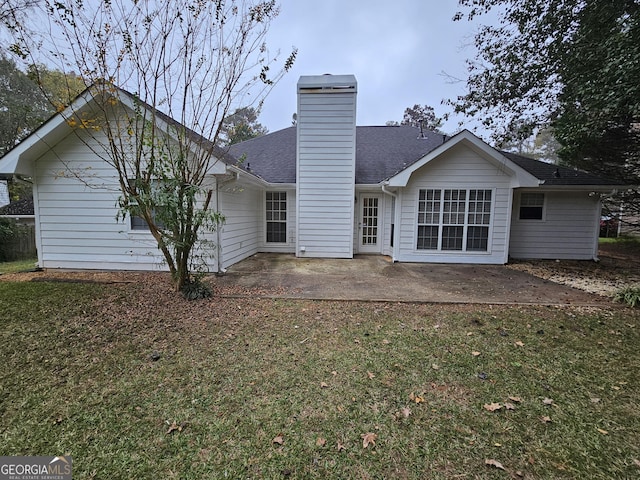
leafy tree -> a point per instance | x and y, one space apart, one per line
190 61
241 125
541 145
23 105
58 87
422 116
572 65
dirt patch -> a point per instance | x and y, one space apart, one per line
618 267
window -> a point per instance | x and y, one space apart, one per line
531 206
428 219
478 218
137 222
276 212
454 220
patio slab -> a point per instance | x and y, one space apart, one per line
377 278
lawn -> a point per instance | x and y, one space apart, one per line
18 266
135 383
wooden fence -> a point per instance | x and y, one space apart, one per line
20 246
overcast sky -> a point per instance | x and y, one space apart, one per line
397 49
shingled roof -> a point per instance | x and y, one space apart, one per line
554 174
382 152
19 208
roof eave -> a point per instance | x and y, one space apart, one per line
520 176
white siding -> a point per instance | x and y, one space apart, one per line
240 235
77 218
76 226
569 228
387 220
326 172
457 168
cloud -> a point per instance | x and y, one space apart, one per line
397 51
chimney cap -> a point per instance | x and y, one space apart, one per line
327 82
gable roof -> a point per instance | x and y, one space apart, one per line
56 127
385 151
381 152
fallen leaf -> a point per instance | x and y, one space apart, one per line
279 439
595 400
435 366
515 399
493 463
475 354
545 419
385 342
636 461
405 412
370 375
341 446
368 438
497 444
321 442
174 427
416 398
603 432
324 385
334 373
492 407
519 344
509 406
548 401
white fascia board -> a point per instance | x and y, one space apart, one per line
520 176
217 167
248 177
19 160
282 186
582 188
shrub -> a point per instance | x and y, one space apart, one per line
195 289
628 295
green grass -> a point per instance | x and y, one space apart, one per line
18 265
625 240
77 378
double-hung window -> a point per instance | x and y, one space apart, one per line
454 219
276 215
138 223
531 206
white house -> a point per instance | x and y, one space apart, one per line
323 188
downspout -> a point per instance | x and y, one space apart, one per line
395 222
219 269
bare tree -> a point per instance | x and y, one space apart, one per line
187 64
10 10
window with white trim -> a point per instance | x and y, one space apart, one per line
531 206
138 223
276 215
454 219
